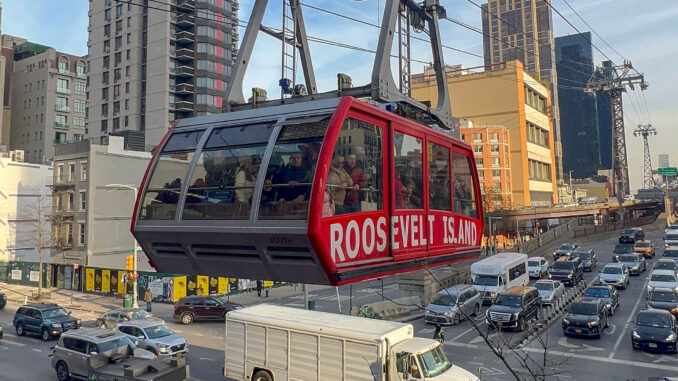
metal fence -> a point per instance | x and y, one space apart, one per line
614 226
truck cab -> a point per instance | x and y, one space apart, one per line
420 359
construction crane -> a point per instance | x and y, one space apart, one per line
645 130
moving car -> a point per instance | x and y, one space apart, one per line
586 317
155 337
644 247
631 235
589 261
45 319
498 273
110 319
655 330
664 299
663 279
567 271
514 308
537 267
549 290
671 237
671 253
202 307
565 249
451 305
615 274
666 264
608 294
621 249
634 262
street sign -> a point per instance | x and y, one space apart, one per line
668 171
131 251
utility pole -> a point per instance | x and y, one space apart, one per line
572 195
645 130
613 80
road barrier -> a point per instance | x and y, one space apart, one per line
614 226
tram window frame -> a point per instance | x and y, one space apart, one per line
401 183
436 202
466 207
371 195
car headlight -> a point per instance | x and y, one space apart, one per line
569 276
446 313
163 348
675 310
550 276
650 288
592 324
635 335
515 315
78 322
671 337
566 322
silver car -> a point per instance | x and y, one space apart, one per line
451 305
549 290
154 337
110 319
662 279
615 274
78 351
537 267
666 264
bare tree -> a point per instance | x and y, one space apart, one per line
36 215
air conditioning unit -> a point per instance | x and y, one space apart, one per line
17 155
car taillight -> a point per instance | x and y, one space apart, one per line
175 308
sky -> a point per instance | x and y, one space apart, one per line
644 32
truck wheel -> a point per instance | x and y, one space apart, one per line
20 330
45 335
62 371
186 318
262 375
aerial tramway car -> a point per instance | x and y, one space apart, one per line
330 191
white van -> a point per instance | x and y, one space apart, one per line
498 273
671 237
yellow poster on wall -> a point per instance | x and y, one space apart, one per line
222 288
204 284
122 284
179 288
106 281
89 280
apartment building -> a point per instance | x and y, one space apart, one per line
153 62
509 97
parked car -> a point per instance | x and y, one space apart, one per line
155 337
615 274
663 279
631 235
664 299
634 262
608 294
621 249
110 319
537 267
666 264
3 300
589 261
549 290
202 307
514 308
655 330
77 352
449 306
644 247
671 253
565 249
567 271
45 319
586 317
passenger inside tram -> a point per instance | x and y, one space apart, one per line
338 181
352 200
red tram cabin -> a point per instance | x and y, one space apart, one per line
331 191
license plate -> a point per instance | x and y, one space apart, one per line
499 324
577 331
652 345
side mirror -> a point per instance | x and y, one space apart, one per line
70 312
140 337
93 353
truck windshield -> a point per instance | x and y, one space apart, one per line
485 280
434 362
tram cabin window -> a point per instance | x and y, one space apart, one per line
287 185
222 183
355 180
408 184
439 177
164 186
464 193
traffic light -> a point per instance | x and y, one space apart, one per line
130 262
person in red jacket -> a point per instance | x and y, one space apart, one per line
352 200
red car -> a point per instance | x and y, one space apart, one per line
203 307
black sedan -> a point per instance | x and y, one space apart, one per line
608 294
664 299
587 317
655 330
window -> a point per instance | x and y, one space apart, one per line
494 150
439 178
118 26
105 76
104 125
63 66
126 120
517 270
477 137
61 121
164 187
464 191
116 124
116 107
80 88
118 42
60 173
107 46
117 74
71 202
355 179
104 109
495 162
408 183
126 104
81 70
79 106
478 150
82 234
83 171
104 93
62 86
118 10
83 201
62 104
494 137
479 162
117 58
496 174
107 15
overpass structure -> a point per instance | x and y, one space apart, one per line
634 209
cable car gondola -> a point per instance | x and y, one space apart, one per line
331 191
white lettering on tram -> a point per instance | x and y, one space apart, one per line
352 235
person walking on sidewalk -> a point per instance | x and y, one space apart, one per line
259 284
148 298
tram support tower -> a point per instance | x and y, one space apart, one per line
645 130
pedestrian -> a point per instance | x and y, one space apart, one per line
259 288
438 334
148 298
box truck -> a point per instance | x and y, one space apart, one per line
274 343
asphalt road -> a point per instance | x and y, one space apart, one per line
608 358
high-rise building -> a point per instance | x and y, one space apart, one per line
509 97
523 30
663 160
152 63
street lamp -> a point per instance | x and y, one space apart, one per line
135 294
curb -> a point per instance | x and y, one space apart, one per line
410 318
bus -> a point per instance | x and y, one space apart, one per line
498 273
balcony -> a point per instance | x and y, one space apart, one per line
63 90
82 75
64 71
184 106
184 54
185 37
62 108
186 20
61 125
184 88
187 5
184 71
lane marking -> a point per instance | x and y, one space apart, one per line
628 321
462 334
37 350
5 341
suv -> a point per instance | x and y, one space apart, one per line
608 294
191 308
586 317
514 308
567 271
155 337
46 319
664 299
451 305
78 353
621 249
631 235
565 250
588 258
